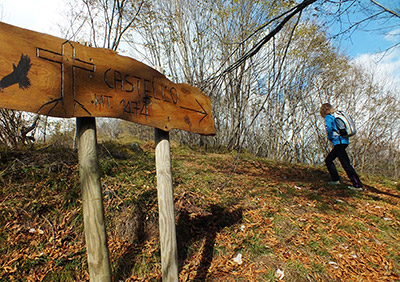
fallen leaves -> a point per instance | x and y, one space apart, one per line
262 221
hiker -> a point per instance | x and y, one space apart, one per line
340 144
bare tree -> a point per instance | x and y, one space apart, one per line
102 23
17 128
265 68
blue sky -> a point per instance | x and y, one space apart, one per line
364 42
44 15
369 37
372 44
361 45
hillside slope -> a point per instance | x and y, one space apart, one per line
237 220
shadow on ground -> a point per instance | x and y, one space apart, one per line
191 230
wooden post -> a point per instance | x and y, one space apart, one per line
93 211
169 253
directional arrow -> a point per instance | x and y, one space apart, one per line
203 111
55 77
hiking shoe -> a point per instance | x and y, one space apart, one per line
334 182
355 188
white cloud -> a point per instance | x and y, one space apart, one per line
393 36
38 15
385 66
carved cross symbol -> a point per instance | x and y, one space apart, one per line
69 62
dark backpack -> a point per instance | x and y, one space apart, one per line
345 124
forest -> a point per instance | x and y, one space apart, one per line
251 203
267 66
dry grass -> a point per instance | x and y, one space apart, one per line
276 216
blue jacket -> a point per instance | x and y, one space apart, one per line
332 132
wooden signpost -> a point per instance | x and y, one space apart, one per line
47 75
55 77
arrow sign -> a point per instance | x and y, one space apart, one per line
51 76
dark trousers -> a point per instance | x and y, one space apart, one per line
339 151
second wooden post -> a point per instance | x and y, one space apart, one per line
169 253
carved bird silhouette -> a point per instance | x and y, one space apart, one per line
19 74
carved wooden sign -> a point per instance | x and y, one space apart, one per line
51 76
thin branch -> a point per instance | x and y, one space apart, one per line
266 39
74 33
358 23
92 22
104 5
243 132
248 37
279 71
111 23
386 9
118 39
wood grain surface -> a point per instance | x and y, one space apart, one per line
44 74
92 202
169 250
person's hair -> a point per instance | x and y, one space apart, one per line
326 109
